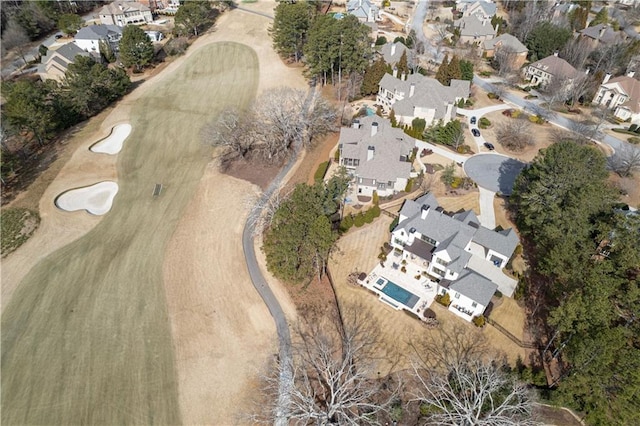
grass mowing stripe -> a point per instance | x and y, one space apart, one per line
86 338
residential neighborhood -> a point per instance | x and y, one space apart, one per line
434 204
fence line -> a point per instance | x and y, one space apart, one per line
514 339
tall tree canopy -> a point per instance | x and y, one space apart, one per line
546 38
290 27
70 23
136 48
89 87
403 64
442 74
298 244
192 17
587 258
372 77
336 45
557 198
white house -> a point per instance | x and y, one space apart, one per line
123 13
376 155
88 38
542 72
421 97
364 10
483 10
462 256
622 95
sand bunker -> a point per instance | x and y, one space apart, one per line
96 199
113 143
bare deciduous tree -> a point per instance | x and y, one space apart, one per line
625 161
333 373
458 383
524 22
474 393
515 134
280 121
504 59
15 37
233 131
576 52
262 211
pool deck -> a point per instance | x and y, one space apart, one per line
424 288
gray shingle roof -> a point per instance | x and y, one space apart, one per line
386 50
120 7
488 8
389 145
471 26
556 66
506 40
428 93
503 242
475 287
454 232
67 51
361 8
97 32
602 32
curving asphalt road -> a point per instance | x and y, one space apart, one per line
494 172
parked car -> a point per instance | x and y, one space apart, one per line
473 120
475 132
58 36
489 146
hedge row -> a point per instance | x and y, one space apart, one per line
360 219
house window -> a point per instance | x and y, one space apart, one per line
474 304
382 185
390 183
438 271
356 162
441 262
428 240
456 296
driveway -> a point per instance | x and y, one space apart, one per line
487 215
442 151
494 172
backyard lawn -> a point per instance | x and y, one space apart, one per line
86 336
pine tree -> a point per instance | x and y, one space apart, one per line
372 77
403 66
453 70
443 73
392 118
135 47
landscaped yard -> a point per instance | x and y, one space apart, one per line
358 252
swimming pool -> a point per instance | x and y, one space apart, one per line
370 111
399 294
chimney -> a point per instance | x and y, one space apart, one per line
395 72
606 78
412 89
355 124
370 151
374 128
602 31
484 23
393 49
555 53
404 76
496 28
631 74
424 211
587 71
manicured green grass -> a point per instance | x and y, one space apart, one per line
17 225
86 337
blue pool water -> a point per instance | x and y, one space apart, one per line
399 294
370 111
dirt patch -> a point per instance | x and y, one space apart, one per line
630 188
253 170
